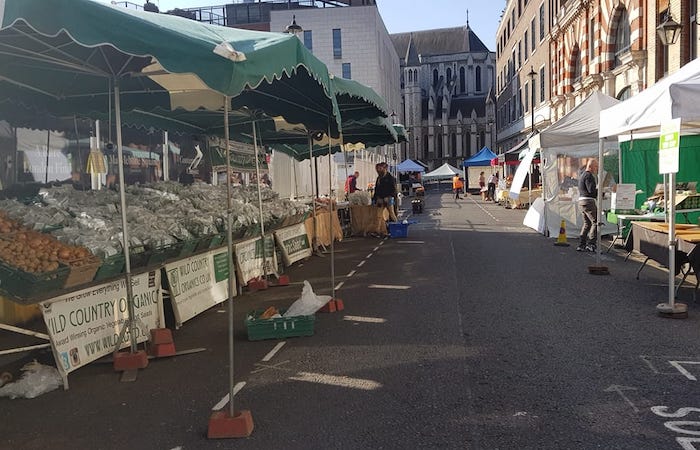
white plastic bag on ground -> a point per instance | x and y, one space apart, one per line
308 303
37 379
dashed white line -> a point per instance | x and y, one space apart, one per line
361 263
381 243
376 249
389 286
484 210
333 380
369 256
224 401
352 273
339 285
411 242
274 351
364 319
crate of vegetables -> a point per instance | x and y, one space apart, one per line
271 324
23 285
111 267
82 270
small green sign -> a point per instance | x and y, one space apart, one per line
221 267
669 144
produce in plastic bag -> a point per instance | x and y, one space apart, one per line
362 198
308 303
37 379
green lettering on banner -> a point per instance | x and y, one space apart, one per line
296 244
221 269
269 247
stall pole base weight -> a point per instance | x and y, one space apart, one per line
598 270
282 280
674 311
162 343
224 426
126 361
333 305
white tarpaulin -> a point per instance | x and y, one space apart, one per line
520 174
573 136
445 171
675 96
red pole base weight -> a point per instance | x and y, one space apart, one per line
332 306
162 343
223 426
257 284
124 361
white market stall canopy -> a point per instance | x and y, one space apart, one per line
443 172
675 96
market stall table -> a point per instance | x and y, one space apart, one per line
624 230
651 240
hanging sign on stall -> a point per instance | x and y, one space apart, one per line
294 243
250 261
85 325
669 144
197 283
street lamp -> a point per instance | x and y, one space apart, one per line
294 28
532 74
669 30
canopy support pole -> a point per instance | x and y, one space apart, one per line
48 150
672 309
260 204
166 157
130 322
229 245
314 238
599 269
330 219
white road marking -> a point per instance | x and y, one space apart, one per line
224 401
388 286
411 242
381 243
364 319
274 351
360 264
352 273
681 369
687 443
619 389
333 380
221 311
339 285
482 208
369 256
375 249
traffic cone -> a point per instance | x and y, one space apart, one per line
561 239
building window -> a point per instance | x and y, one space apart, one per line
435 78
337 44
534 94
576 65
542 85
693 31
308 40
347 71
525 45
426 146
527 97
453 143
542 22
477 79
410 76
622 35
449 76
438 145
624 94
520 103
520 56
533 37
591 41
462 81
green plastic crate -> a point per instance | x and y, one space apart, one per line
284 327
111 267
24 285
158 255
217 240
188 247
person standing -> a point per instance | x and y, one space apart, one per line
457 186
385 190
587 195
491 192
482 185
351 183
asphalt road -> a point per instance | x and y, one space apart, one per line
473 333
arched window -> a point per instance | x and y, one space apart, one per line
624 94
477 78
426 147
576 66
449 75
438 145
435 77
462 81
410 76
468 140
453 144
622 35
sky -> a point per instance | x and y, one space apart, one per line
409 15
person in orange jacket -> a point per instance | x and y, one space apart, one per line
457 186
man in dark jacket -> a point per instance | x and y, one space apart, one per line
587 195
385 190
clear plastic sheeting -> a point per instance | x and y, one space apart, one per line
36 380
308 303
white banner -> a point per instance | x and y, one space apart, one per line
294 243
84 325
198 283
520 174
249 258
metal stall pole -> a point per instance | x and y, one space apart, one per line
229 245
330 218
599 269
314 238
130 322
166 157
260 205
48 150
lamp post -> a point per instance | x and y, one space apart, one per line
532 74
294 28
668 31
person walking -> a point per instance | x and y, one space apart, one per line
457 186
588 193
482 185
491 192
385 190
